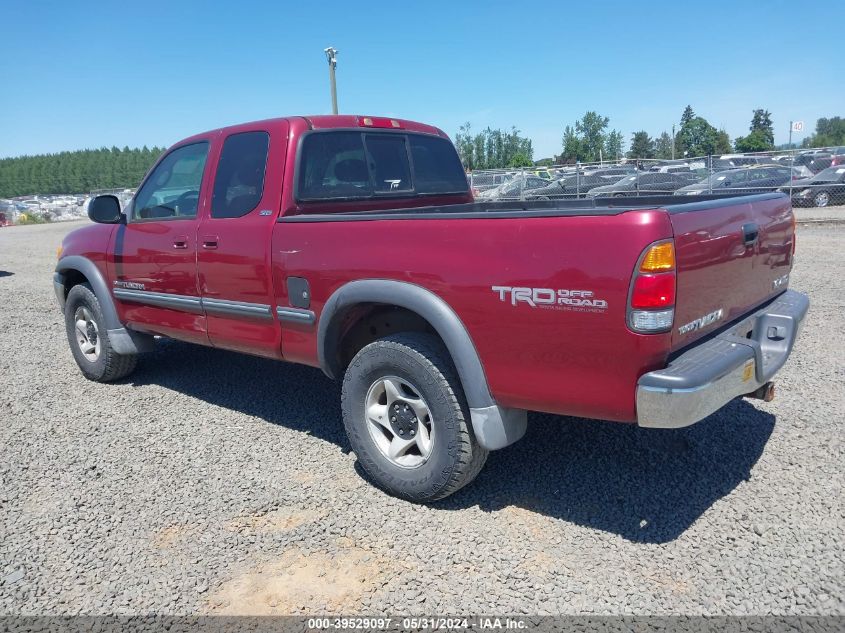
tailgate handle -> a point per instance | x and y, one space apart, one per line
750 233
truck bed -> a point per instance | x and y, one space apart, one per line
538 208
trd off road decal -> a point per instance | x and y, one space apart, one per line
548 298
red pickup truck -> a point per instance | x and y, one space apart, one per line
353 244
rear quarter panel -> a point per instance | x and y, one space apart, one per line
556 359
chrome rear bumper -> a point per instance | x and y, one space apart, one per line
734 363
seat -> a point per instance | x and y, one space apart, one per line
352 170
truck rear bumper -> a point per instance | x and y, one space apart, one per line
734 363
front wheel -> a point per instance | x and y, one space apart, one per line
89 338
821 199
406 418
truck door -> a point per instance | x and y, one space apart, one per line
234 256
155 276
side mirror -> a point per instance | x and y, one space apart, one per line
105 210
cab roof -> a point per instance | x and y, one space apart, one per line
327 121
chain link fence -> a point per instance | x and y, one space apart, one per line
813 177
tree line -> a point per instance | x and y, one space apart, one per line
590 139
493 149
75 172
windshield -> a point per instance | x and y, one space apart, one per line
719 177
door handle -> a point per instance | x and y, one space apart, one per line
209 242
180 242
750 233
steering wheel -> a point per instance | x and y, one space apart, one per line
182 200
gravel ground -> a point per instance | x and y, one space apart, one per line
211 482
826 215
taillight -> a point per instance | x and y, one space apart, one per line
654 291
651 307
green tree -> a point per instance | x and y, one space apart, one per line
687 116
492 149
571 146
829 132
761 121
663 146
614 145
590 130
75 172
642 145
756 141
520 160
698 138
723 143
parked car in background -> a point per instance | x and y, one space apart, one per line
577 185
728 161
733 181
484 180
648 183
824 189
513 189
672 166
814 162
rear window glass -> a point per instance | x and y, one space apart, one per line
354 165
389 163
437 168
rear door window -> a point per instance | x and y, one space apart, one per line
239 182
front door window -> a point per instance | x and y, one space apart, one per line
173 189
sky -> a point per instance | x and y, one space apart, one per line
80 75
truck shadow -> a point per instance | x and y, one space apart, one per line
645 485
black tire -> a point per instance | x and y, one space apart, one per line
108 365
456 457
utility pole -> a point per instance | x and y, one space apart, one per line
331 56
790 135
673 141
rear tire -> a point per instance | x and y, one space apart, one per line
89 338
407 420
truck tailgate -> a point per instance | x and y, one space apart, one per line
723 271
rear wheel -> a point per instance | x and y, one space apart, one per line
89 338
821 199
407 419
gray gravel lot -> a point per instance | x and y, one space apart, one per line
210 482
